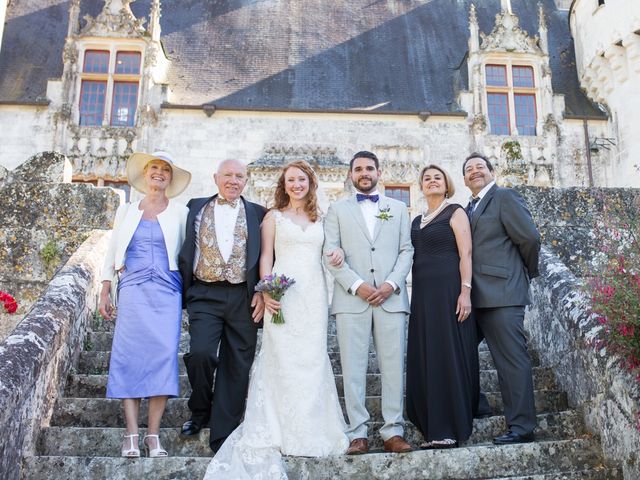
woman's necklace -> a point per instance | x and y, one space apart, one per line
427 217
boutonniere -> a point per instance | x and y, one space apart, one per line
384 214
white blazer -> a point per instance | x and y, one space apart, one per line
172 221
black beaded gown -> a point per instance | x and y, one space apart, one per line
442 354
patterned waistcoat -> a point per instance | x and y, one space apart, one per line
211 267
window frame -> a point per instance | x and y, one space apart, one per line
511 92
399 186
110 78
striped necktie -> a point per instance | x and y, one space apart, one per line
471 207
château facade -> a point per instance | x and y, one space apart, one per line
267 82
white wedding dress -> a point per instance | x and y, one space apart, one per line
292 405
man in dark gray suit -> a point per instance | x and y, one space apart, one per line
506 245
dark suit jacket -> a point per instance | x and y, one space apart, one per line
255 213
506 245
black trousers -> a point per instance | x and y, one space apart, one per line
223 342
503 328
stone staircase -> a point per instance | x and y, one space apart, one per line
84 438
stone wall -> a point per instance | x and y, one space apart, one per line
43 220
561 329
35 359
560 323
608 63
566 218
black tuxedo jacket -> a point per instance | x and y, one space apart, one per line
506 246
254 212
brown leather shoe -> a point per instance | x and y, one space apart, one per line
397 444
358 446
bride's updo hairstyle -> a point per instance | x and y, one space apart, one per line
282 197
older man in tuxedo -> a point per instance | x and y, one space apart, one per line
219 267
370 295
506 245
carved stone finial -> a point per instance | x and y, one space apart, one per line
506 6
544 44
474 39
541 17
473 18
154 20
74 18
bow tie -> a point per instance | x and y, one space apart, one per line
472 206
361 197
224 201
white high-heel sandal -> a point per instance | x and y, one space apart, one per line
132 451
154 452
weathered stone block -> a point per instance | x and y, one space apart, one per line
35 359
47 167
562 329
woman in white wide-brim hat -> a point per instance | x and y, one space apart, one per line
143 253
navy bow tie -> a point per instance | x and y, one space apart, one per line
361 197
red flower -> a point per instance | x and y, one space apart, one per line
10 304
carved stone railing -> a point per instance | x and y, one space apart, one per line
264 172
100 153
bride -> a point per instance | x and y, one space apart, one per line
292 404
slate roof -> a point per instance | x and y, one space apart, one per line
382 55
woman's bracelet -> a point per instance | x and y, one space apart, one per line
467 284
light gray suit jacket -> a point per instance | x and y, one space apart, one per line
386 256
506 245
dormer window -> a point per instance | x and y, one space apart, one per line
511 99
109 89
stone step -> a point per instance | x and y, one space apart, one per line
546 459
94 386
97 363
101 342
106 412
101 441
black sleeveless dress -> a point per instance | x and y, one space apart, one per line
442 354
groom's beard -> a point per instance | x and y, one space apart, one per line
365 188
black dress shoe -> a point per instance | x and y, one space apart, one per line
512 437
190 428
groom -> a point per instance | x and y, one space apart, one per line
370 295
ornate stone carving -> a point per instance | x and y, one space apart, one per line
147 115
151 56
99 153
281 154
507 36
64 113
264 172
115 20
479 123
70 53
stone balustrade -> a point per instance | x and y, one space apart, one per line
35 359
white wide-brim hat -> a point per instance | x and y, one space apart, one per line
180 178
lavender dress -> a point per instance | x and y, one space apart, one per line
144 355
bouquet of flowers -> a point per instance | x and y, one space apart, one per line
275 285
10 304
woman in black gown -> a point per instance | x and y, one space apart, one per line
442 353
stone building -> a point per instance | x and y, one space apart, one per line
417 81
607 36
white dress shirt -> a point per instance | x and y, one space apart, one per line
481 194
369 211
